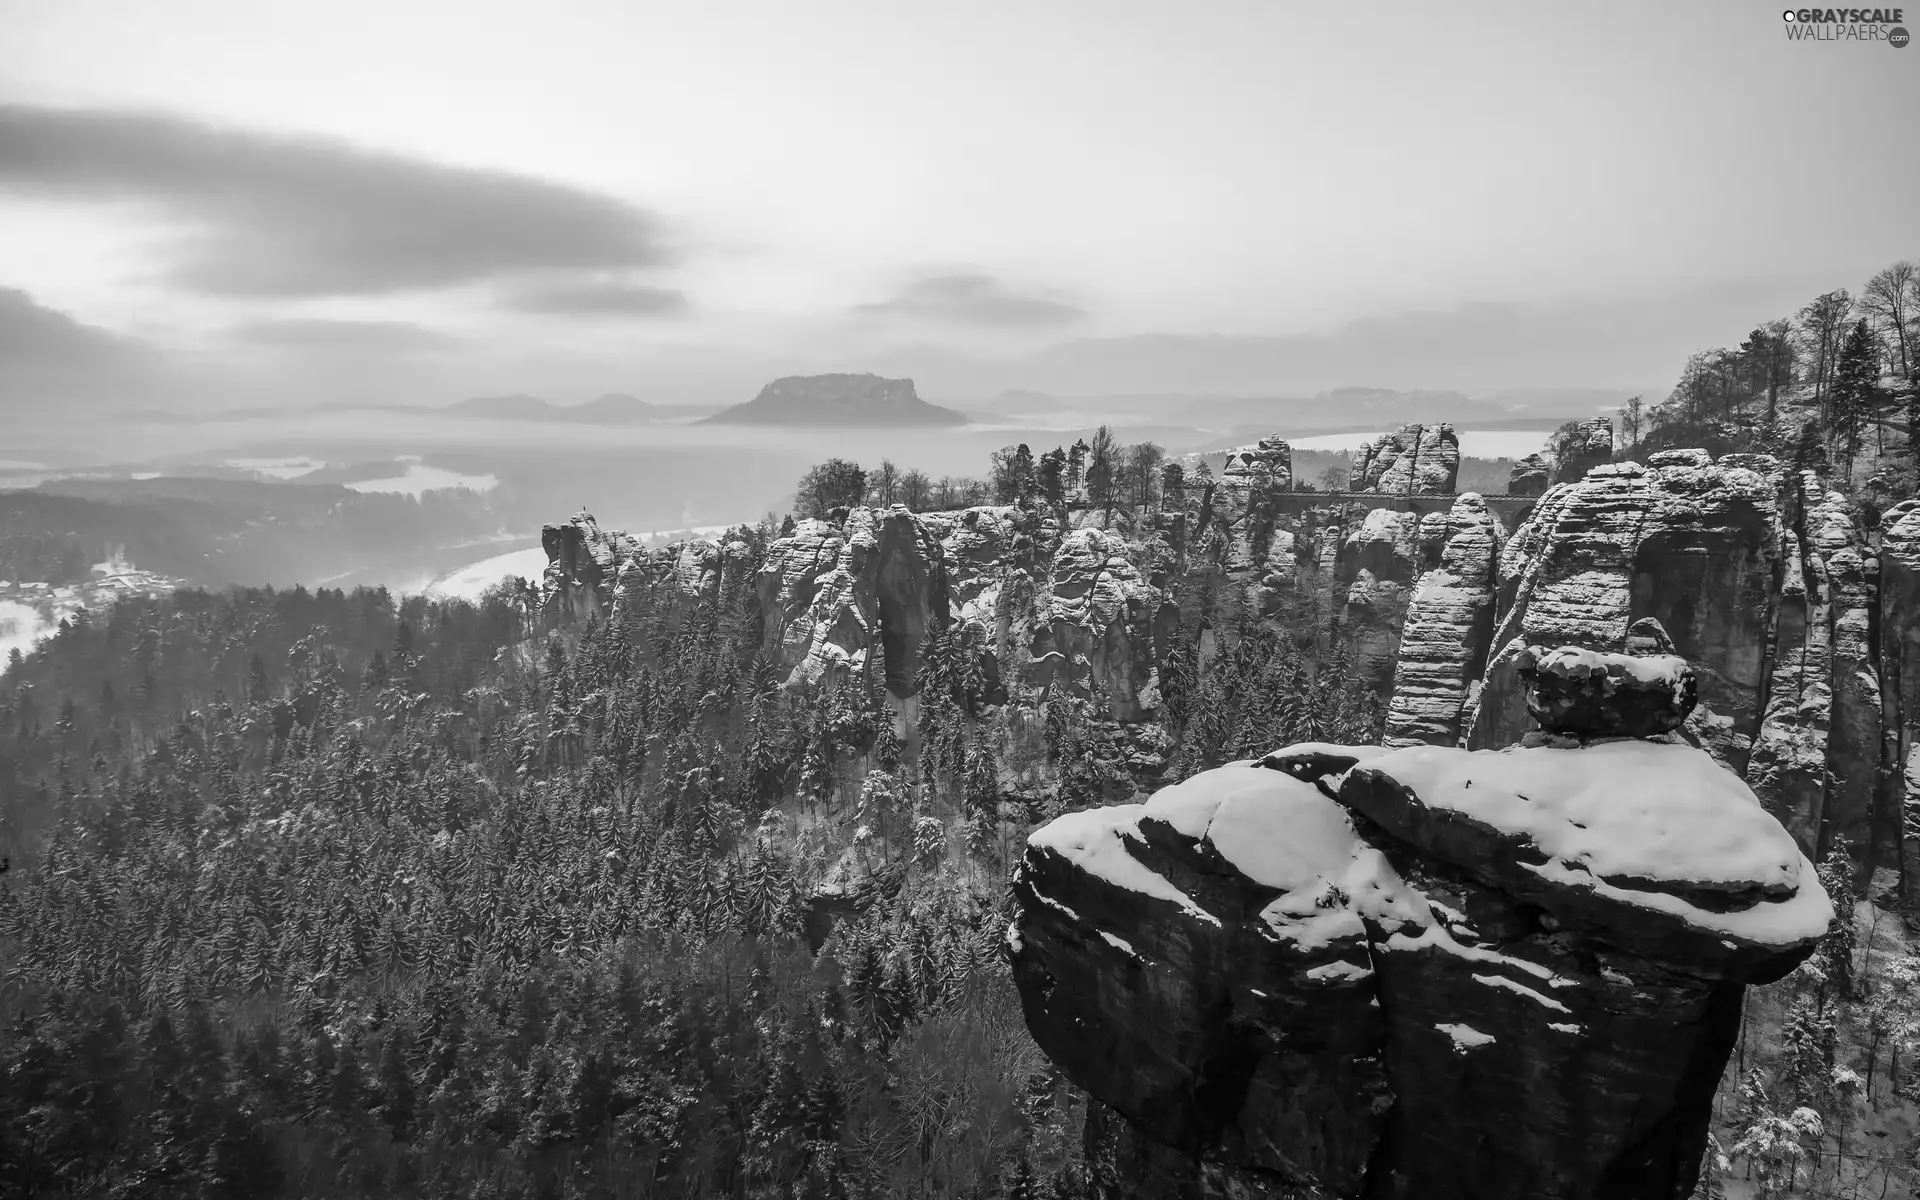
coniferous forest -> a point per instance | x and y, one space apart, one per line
329 894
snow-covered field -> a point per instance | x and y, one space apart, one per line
469 581
1474 443
278 468
21 626
421 478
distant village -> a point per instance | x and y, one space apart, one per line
109 582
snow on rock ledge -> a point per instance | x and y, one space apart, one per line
1344 972
1654 847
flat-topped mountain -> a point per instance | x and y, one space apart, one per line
837 400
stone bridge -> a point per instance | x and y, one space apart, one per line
1510 510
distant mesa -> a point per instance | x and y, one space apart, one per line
837 400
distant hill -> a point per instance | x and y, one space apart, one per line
517 407
1020 400
837 400
613 408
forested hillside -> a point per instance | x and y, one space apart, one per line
321 894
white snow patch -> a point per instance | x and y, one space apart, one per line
1563 1028
420 478
1274 829
1120 944
1465 1037
1435 936
277 468
22 627
470 581
1314 917
1091 840
1283 833
1641 809
1363 753
1339 970
1050 902
1014 943
1501 981
1806 915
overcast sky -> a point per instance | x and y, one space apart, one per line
427 199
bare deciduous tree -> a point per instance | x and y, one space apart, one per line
1892 299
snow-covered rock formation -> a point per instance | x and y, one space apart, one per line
1796 608
1426 972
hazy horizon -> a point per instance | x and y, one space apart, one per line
203 207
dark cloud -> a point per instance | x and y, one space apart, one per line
312 333
304 216
600 299
33 335
50 362
972 299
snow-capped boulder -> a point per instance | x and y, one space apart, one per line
1580 692
1426 972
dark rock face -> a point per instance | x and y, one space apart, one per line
1695 544
1528 476
1591 444
1375 569
1346 972
1607 695
581 563
1899 597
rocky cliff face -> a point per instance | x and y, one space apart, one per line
1449 626
1801 622
1416 460
1795 617
1589 444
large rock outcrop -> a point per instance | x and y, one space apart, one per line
1419 460
1449 625
1899 586
1529 476
1690 542
1429 972
1374 574
1796 608
1588 444
860 595
1268 465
